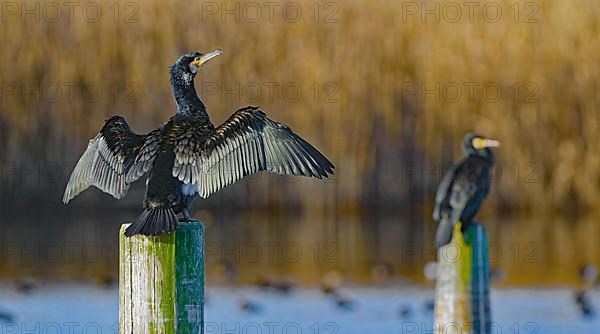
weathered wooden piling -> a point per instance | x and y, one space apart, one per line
462 303
161 281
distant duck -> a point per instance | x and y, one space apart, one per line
284 286
105 281
327 289
249 306
343 302
25 285
404 311
263 282
6 317
585 306
429 305
331 282
464 187
188 156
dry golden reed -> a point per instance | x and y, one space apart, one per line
357 64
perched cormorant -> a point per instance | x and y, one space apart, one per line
464 187
188 156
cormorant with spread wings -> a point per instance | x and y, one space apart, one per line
188 156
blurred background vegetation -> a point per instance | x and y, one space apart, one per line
377 94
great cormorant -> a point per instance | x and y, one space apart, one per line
188 156
464 187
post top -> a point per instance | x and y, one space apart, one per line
190 225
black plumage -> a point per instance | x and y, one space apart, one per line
464 187
188 156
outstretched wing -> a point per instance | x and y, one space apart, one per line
105 162
144 158
246 143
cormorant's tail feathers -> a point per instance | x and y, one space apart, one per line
443 235
154 222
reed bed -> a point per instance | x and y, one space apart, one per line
357 65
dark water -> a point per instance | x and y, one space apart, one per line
301 247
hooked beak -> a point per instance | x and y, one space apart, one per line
480 143
206 57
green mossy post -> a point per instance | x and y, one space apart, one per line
462 292
161 281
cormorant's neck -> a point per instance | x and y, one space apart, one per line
485 153
188 102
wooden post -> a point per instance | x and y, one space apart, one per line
476 238
161 281
462 303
